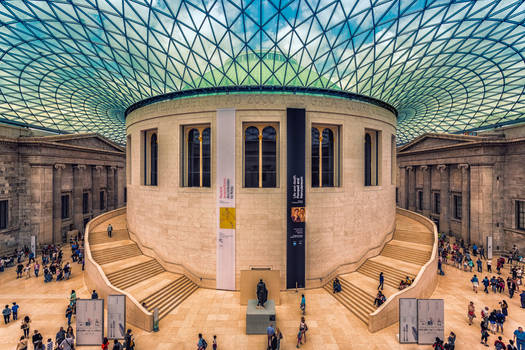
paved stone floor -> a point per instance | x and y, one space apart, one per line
331 326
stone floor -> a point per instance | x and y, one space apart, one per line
331 326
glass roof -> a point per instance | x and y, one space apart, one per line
446 66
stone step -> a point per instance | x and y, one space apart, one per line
359 302
170 296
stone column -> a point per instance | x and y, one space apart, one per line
481 190
41 190
401 192
119 186
465 202
57 202
78 188
411 188
444 224
111 188
427 190
95 188
116 187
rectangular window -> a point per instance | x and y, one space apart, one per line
393 166
437 203
85 203
65 206
196 155
397 195
102 197
420 200
4 214
149 159
128 159
372 161
125 194
520 215
457 207
260 154
325 155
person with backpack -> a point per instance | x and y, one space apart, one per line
484 332
451 341
303 304
117 345
438 344
129 341
499 344
500 319
511 346
201 344
486 284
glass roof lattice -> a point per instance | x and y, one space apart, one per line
446 66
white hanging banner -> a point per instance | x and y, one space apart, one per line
116 316
431 320
226 199
407 320
489 247
90 321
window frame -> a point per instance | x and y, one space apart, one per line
520 211
4 223
419 199
85 202
68 206
457 200
102 200
372 166
185 130
336 132
147 172
436 202
260 127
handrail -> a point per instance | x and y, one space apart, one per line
136 311
387 313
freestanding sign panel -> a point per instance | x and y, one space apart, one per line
407 320
33 245
489 247
116 316
226 199
90 321
431 320
295 209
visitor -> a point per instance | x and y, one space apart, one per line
492 321
19 270
486 284
274 343
129 340
519 338
94 295
67 271
299 339
402 285
485 313
26 323
7 314
336 285
484 333
480 265
279 337
105 344
73 299
522 299
475 283
489 265
381 281
500 319
70 333
303 327
110 230
494 284
438 344
60 336
201 344
117 345
408 281
440 267
512 286
22 344
470 265
504 308
36 268
27 270
214 344
451 341
67 343
380 299
303 304
69 313
511 346
49 345
14 311
270 331
499 344
471 313
36 339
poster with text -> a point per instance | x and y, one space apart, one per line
407 320
116 316
90 321
431 320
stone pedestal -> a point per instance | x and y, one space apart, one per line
258 319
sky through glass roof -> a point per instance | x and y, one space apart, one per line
446 66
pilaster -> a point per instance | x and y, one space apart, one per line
78 187
57 203
427 189
111 187
444 190
465 202
96 173
411 188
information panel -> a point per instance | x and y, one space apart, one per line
407 320
226 219
116 316
431 320
295 209
90 321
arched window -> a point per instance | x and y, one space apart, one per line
372 161
269 157
154 160
368 160
324 155
198 156
251 157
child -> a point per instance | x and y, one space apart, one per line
214 342
49 344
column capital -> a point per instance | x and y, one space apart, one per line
463 167
441 167
112 168
99 168
424 167
81 166
409 167
59 166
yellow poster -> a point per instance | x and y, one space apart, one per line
227 218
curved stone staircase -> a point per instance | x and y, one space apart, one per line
127 269
410 248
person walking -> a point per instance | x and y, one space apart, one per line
279 337
36 268
303 304
105 344
504 308
201 343
499 344
489 265
484 333
110 230
451 341
22 344
60 336
270 331
381 281
129 340
303 327
7 314
14 311
117 345
214 344
471 313
69 313
475 283
479 265
500 319
511 346
36 339
522 299
486 284
26 323
49 345
519 338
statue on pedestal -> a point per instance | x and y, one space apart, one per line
262 293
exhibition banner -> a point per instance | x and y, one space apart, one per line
407 320
116 316
226 199
431 320
489 247
295 209
90 321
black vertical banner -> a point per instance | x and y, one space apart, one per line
296 211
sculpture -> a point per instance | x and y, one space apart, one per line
262 293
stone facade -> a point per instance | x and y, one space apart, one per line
37 170
180 223
484 175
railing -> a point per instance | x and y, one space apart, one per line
422 287
95 278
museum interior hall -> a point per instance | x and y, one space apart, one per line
262 174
